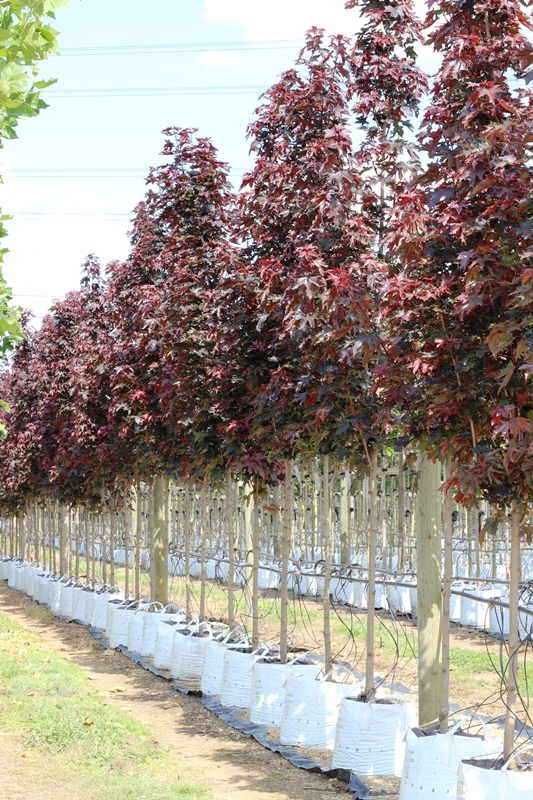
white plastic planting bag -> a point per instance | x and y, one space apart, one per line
135 628
432 761
477 783
370 737
213 667
4 568
164 640
268 688
153 616
237 677
187 667
311 711
119 616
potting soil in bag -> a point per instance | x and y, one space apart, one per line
268 687
311 711
370 737
477 781
432 761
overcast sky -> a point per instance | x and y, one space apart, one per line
76 172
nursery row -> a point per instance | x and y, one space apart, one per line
301 705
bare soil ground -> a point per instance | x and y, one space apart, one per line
231 764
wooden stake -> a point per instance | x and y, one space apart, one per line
187 539
160 542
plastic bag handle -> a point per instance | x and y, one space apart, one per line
346 669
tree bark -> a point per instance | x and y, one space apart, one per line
370 688
429 582
514 641
285 545
446 595
160 542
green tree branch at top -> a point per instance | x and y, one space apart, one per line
26 38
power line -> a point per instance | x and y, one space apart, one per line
157 91
183 47
91 172
66 215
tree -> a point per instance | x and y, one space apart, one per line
26 38
457 300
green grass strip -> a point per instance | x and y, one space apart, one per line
48 705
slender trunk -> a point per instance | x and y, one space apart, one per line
112 538
63 566
429 583
159 542
285 545
256 542
203 547
138 536
446 595
326 535
22 533
514 641
231 549
127 539
187 539
401 513
344 518
370 688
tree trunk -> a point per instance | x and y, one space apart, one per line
159 542
63 566
21 518
344 518
446 595
285 545
514 641
231 549
326 537
401 513
256 544
429 582
370 688
203 546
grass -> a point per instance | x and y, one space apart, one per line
47 704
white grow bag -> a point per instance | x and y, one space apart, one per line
164 640
370 737
54 595
151 620
476 783
399 598
237 677
4 568
311 711
213 669
135 628
499 620
432 761
66 600
119 614
188 658
268 688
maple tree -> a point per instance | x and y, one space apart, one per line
455 297
158 374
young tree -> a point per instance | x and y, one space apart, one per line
463 241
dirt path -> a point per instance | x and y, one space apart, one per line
231 764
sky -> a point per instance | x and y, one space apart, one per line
73 177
